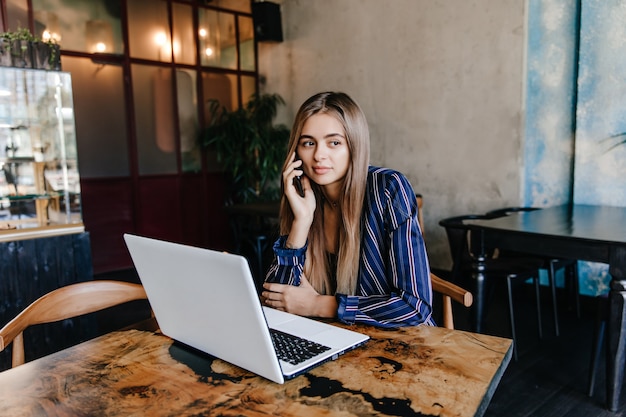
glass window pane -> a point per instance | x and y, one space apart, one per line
101 135
217 39
248 87
149 30
220 87
154 119
223 88
188 120
246 43
184 39
92 26
17 14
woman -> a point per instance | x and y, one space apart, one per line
350 245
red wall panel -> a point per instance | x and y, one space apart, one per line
187 209
107 214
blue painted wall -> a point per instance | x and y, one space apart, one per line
600 167
550 102
576 110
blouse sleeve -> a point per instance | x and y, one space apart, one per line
287 265
395 271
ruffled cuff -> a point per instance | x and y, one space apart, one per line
347 306
287 256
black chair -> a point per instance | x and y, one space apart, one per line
514 270
599 339
551 265
255 227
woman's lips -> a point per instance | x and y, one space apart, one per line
321 170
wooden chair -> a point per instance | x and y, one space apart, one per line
448 290
63 303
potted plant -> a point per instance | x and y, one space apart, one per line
23 50
46 55
5 50
249 146
16 48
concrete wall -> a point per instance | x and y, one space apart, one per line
441 82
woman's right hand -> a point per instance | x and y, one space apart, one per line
303 208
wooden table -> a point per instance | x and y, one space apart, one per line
410 371
583 232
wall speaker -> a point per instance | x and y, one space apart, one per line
267 23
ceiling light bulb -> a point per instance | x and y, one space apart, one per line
160 38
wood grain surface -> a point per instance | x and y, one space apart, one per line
410 371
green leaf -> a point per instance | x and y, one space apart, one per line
248 146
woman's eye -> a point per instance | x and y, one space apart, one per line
335 143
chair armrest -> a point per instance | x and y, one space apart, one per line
458 294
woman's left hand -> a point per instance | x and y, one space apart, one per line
302 300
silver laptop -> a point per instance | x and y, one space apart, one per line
207 300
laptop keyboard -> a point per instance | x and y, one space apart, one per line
294 349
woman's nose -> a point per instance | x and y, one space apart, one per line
320 153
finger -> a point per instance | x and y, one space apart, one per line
271 287
294 165
272 295
288 181
295 161
274 304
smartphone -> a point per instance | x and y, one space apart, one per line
297 182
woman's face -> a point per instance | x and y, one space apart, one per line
323 149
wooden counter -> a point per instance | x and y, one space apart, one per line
30 268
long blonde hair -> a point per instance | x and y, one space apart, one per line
317 267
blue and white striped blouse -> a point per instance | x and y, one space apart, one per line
394 286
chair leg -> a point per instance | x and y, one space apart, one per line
538 297
599 330
574 276
512 314
598 341
552 279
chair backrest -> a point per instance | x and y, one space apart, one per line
448 290
420 212
502 212
508 210
459 241
66 302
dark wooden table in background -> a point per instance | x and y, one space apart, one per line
583 232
